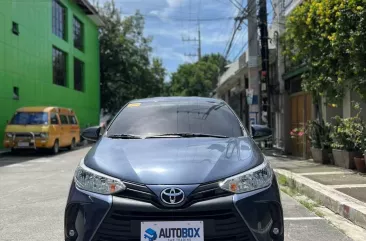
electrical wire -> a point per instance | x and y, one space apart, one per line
244 46
238 39
236 4
250 10
185 19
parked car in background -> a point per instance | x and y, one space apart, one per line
174 168
42 128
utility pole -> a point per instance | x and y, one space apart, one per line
197 40
263 27
253 68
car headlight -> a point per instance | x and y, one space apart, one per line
43 134
9 135
256 178
93 181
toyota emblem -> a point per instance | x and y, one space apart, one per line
172 196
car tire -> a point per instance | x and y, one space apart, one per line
73 144
56 147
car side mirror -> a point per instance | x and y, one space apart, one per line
91 133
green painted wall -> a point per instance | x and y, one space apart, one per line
26 61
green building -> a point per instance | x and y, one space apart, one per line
49 56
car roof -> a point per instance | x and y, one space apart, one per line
43 109
177 99
35 109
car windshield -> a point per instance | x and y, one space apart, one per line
30 118
159 118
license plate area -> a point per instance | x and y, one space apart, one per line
23 144
172 231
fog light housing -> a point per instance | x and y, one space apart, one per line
71 214
275 231
72 233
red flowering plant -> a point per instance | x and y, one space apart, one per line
297 132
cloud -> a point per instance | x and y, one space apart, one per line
174 3
216 38
169 53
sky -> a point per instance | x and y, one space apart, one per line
169 21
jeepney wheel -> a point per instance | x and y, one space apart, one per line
56 147
73 144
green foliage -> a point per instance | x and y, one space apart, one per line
197 79
349 133
126 70
328 36
318 132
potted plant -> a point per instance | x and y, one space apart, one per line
345 135
319 135
297 134
360 137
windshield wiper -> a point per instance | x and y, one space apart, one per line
124 136
187 135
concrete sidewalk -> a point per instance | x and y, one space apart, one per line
342 191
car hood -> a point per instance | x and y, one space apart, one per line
173 161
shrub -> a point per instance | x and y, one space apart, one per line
319 134
349 133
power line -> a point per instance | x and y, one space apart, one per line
244 14
186 19
244 46
236 4
231 41
238 38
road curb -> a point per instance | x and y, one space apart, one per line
340 203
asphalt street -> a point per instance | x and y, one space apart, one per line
34 188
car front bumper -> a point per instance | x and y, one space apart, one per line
251 216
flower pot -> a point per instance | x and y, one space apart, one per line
349 159
338 158
331 158
360 164
320 155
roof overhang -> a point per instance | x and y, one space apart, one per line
90 11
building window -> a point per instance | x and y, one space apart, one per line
78 75
59 66
15 93
15 28
59 19
78 30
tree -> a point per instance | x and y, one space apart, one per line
328 36
198 79
158 73
126 72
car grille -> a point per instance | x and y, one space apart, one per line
201 193
23 135
219 225
206 192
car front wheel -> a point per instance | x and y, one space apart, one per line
55 148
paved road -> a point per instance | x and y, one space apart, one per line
33 191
